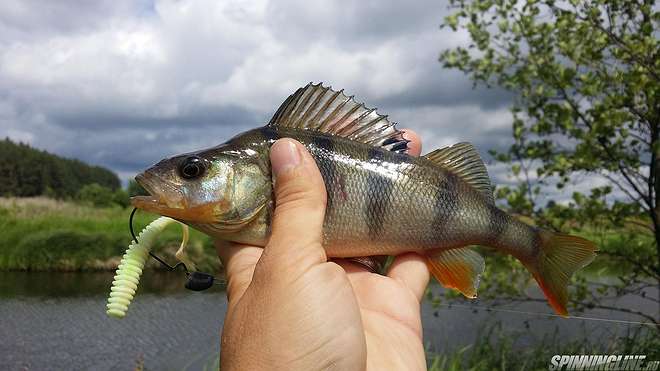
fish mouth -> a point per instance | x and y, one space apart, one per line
160 194
165 199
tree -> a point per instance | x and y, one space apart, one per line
27 172
585 76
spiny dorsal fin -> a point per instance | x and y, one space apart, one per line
458 269
315 107
463 160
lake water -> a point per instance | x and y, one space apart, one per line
55 321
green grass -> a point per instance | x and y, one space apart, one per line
42 234
495 350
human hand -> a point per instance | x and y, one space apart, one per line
290 308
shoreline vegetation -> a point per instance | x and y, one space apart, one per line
44 234
496 348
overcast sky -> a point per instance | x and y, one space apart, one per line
125 83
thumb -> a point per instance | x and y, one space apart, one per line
300 198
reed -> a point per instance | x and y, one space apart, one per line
496 349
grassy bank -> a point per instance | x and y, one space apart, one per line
496 349
42 234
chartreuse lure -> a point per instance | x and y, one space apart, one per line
132 263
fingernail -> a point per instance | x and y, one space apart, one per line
284 156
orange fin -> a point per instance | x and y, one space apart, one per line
559 257
458 269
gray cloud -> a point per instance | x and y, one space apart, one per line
202 118
123 83
352 24
446 88
33 19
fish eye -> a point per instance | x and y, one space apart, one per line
192 167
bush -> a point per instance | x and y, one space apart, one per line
65 250
99 196
120 197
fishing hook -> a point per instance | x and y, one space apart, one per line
197 281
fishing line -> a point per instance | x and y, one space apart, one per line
197 281
161 261
472 307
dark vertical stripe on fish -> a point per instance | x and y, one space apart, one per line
446 206
270 207
325 147
324 143
269 134
398 157
497 224
536 238
379 190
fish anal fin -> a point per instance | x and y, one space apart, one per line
458 269
463 160
322 109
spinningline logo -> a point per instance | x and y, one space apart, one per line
601 362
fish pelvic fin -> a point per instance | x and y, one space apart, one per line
459 269
560 255
463 160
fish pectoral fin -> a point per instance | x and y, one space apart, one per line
463 160
458 269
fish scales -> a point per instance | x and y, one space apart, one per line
380 201
385 203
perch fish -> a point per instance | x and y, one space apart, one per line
380 201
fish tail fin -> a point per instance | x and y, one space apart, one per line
559 256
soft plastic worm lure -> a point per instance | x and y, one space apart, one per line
132 263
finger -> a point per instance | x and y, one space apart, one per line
411 270
238 262
415 144
300 199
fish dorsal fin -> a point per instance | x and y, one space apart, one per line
315 107
463 160
458 269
